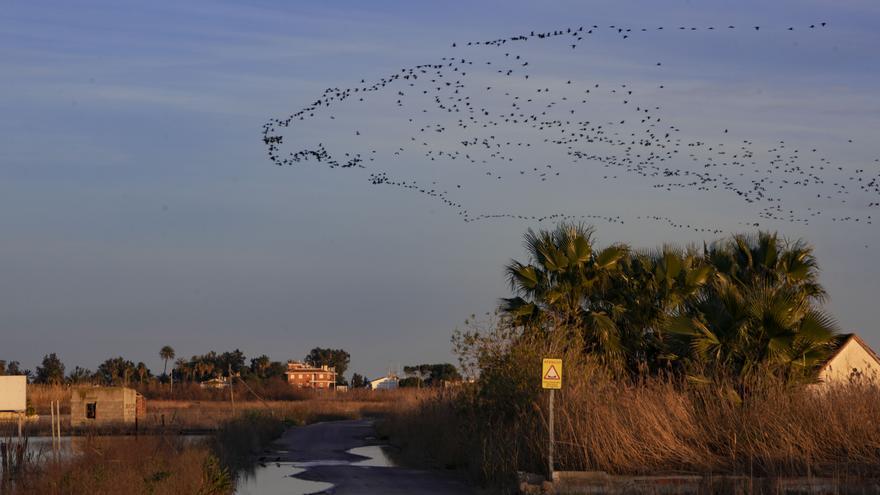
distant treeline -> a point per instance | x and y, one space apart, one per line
199 368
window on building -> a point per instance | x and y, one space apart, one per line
91 410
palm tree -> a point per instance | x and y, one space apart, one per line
142 371
182 365
166 353
651 286
737 332
758 311
765 259
561 285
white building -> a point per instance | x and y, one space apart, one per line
13 398
13 393
388 382
852 360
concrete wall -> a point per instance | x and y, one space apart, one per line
852 356
113 405
13 393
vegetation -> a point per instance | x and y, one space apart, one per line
692 360
430 375
167 463
359 381
51 370
742 304
335 358
263 376
147 465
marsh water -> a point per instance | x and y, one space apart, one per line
281 477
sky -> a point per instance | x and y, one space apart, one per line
138 207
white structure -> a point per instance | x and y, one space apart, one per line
853 359
385 383
13 393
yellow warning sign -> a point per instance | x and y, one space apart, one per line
551 373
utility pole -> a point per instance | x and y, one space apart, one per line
231 395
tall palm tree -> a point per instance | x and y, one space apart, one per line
560 288
166 353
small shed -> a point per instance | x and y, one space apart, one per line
851 360
105 406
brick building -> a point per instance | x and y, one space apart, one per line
306 376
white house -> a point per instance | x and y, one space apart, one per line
388 382
852 359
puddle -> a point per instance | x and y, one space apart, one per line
277 478
273 479
377 456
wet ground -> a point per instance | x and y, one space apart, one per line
340 457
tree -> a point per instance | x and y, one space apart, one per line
79 376
736 331
51 371
260 366
650 286
335 358
116 371
166 353
184 369
14 368
142 372
230 361
359 381
759 311
432 375
560 289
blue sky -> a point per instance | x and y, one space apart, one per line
138 208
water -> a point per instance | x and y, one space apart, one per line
377 456
40 447
279 478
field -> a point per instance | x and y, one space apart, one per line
213 408
653 426
162 462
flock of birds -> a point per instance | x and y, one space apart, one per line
489 117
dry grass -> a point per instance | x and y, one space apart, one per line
652 425
40 396
145 465
309 406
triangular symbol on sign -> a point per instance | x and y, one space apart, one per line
551 373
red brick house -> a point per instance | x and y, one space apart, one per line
306 376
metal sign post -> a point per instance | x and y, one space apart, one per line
551 378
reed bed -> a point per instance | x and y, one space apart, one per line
145 465
642 426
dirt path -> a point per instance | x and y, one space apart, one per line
322 448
